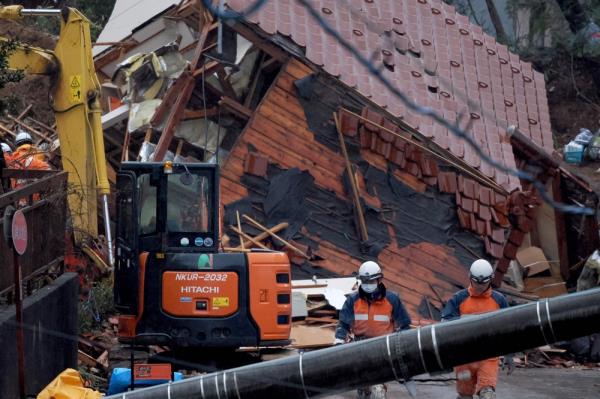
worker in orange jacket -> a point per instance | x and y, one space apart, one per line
371 312
6 152
479 377
24 147
26 157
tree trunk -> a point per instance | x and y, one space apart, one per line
574 13
500 32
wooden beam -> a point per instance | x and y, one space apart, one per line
362 225
457 163
7 131
262 43
22 114
249 238
237 215
257 75
236 107
284 242
125 150
225 84
199 113
167 102
269 65
173 120
207 69
185 94
30 129
42 125
265 234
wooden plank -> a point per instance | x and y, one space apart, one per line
364 235
235 107
30 129
289 159
184 95
545 287
239 231
174 117
280 116
292 105
7 131
317 153
275 229
286 82
262 122
297 69
272 234
233 187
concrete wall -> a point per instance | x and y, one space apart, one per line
50 318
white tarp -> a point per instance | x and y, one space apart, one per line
127 16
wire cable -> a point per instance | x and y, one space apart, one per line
426 111
454 128
234 15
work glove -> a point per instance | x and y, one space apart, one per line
338 341
508 363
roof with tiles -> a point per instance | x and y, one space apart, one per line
434 55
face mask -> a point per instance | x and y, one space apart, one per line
369 288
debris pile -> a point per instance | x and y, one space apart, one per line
182 95
44 136
533 276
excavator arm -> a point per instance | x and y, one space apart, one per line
75 99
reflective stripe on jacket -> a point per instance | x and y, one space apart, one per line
466 302
371 318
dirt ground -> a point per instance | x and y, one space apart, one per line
32 89
546 383
573 98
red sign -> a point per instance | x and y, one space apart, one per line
19 232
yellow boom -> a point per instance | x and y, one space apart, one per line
75 100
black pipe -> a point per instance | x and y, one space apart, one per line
423 350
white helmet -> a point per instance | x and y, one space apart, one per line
481 271
22 138
369 271
6 148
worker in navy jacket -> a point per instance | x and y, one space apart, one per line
371 312
478 377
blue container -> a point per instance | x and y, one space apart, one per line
573 153
120 381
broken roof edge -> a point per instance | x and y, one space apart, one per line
101 51
504 157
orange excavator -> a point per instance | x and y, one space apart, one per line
171 283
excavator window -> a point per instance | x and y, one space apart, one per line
188 203
147 216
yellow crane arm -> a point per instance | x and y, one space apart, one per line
76 103
32 60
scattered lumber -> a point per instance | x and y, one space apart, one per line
275 229
284 242
362 225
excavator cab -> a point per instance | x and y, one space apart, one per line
172 286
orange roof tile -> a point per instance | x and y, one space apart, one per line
435 56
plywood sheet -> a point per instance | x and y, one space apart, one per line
533 260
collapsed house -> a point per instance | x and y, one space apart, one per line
312 144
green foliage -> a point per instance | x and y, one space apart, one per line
6 75
97 11
546 19
98 305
